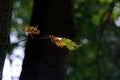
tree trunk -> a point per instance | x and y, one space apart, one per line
5 20
43 59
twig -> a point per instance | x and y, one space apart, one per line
18 42
8 44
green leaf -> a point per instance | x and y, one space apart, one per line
69 44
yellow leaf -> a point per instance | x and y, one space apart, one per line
31 30
57 40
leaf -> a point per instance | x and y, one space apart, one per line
62 42
57 40
69 44
31 30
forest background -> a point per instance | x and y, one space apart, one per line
98 29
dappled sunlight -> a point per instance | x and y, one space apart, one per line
117 22
13 62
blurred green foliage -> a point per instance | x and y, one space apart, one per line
99 57
22 10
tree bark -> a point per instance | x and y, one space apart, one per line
43 59
5 20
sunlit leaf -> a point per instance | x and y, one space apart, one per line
62 42
31 30
57 40
69 44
